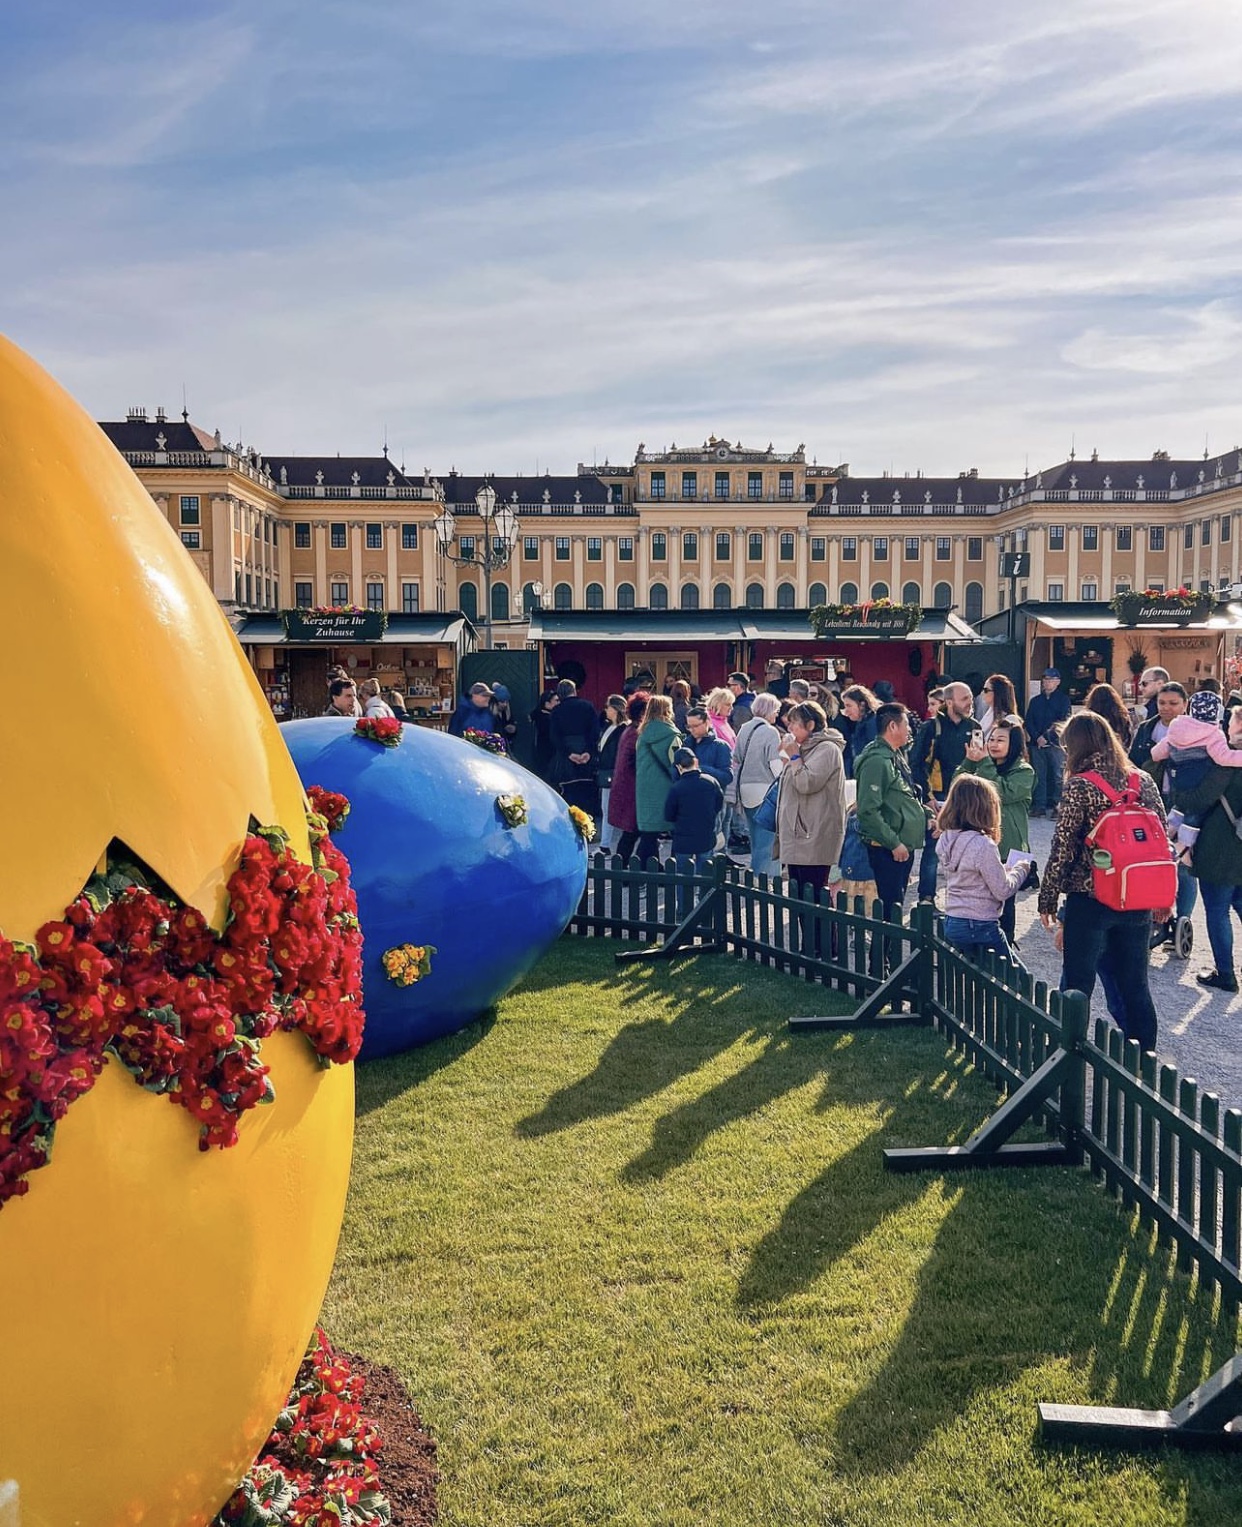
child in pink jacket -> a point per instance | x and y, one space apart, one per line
1193 744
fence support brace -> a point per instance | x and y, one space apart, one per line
678 942
1201 1420
1065 1068
908 983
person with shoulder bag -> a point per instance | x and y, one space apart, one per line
616 721
891 817
1113 873
757 761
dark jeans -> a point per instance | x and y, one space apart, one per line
809 877
1218 902
1049 765
625 845
928 863
891 878
1095 933
648 847
697 864
972 936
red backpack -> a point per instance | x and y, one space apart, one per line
1133 869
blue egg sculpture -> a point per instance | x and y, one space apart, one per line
432 862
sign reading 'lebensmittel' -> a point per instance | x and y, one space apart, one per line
338 627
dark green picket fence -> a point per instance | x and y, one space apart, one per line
1160 1145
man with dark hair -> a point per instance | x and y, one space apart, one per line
1149 684
738 685
573 729
343 699
891 819
938 752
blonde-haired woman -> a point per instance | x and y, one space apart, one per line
719 704
373 703
658 739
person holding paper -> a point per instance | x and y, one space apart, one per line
977 884
1002 761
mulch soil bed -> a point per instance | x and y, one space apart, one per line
408 1473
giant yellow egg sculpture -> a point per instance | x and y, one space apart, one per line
155 1299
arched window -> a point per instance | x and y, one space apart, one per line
625 596
468 601
562 597
754 596
722 597
784 596
657 598
689 596
595 596
974 602
818 594
531 600
942 596
911 593
500 601
849 593
879 591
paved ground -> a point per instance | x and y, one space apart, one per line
1200 1029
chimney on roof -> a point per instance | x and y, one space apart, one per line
1160 455
160 416
970 472
136 416
1095 455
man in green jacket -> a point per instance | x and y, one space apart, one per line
891 819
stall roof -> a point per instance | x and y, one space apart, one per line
637 625
402 630
718 625
794 625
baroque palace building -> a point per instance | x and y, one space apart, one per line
713 527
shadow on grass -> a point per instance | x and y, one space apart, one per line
1031 1266
645 1057
379 1081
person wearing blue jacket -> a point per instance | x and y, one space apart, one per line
693 807
715 757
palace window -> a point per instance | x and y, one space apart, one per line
785 596
375 538
689 596
336 536
625 551
754 546
303 595
879 549
562 548
1090 538
974 548
879 590
722 597
190 509
657 597
786 485
375 596
724 546
595 596
1226 526
689 548
409 598
1090 589
657 485
301 534
689 485
466 548
340 593
562 597
974 602
819 550
1056 592
409 538
1125 537
914 548
192 540
944 549
659 546
942 596
849 548
787 546
1155 538
849 593
595 552
722 485
911 593
1205 533
754 485
754 596
1188 538
625 596
818 593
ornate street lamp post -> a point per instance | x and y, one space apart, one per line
500 529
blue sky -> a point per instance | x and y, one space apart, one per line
518 236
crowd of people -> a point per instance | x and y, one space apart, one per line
844 788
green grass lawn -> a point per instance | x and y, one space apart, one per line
634 1251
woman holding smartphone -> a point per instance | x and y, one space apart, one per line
1002 761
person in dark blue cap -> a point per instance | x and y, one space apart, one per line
1045 716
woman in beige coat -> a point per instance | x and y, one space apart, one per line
810 809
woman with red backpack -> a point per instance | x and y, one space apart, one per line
1111 859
